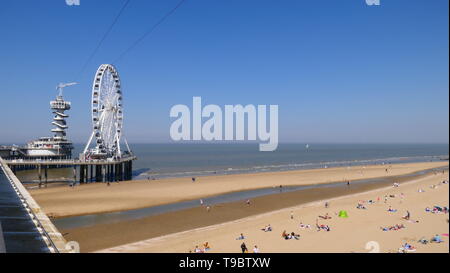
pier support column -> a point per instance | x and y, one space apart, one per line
98 173
46 175
131 169
81 174
103 173
125 171
92 173
74 175
39 174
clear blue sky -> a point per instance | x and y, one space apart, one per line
340 71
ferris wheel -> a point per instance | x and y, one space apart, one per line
107 113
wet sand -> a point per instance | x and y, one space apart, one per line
109 235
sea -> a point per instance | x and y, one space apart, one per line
190 160
156 161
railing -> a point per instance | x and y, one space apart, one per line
69 161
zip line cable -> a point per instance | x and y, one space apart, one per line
149 31
104 37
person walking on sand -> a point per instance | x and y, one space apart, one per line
208 208
248 202
201 202
244 248
292 215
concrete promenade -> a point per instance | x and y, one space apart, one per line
24 227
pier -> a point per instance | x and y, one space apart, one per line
84 171
24 227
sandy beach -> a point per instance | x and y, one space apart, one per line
350 234
98 197
104 236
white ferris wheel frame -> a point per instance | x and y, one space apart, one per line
106 112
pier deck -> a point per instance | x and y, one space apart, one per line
108 170
67 162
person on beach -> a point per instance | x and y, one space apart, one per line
407 216
267 228
201 202
391 209
248 202
292 215
208 208
304 225
241 237
244 248
206 246
320 227
327 204
193 179
256 249
437 239
360 206
325 217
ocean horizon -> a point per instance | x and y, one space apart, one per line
200 159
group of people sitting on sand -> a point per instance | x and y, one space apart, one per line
395 227
322 227
437 209
406 248
435 239
204 249
288 236
360 206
